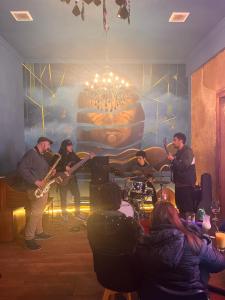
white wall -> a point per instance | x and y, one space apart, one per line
11 108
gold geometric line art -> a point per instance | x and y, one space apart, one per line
43 119
157 82
42 72
168 120
41 82
42 111
50 72
33 101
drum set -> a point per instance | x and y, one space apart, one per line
140 193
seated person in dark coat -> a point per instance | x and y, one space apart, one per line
173 258
113 238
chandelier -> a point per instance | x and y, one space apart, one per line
107 92
123 11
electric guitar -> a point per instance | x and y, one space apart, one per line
165 146
62 178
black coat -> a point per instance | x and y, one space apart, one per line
183 167
69 158
166 259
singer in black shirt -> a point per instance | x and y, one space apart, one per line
184 175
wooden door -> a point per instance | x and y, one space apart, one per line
220 160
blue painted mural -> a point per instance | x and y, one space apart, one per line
58 105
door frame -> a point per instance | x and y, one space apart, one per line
220 94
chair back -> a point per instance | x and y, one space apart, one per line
113 238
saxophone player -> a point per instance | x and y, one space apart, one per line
33 168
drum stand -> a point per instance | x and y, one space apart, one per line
162 178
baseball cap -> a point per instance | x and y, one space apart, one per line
44 139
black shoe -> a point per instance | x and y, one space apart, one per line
32 245
42 236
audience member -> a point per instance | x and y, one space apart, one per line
175 259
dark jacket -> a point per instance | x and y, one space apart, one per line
32 167
69 158
183 167
166 259
113 238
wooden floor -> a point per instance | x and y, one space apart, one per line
61 270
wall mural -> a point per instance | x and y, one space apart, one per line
57 105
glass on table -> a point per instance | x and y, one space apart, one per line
220 241
215 208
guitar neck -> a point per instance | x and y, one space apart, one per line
79 164
166 149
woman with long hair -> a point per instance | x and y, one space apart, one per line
175 258
69 158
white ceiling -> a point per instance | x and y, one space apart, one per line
56 35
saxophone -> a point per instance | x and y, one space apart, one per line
39 192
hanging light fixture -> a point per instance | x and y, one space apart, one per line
97 2
88 1
76 10
123 13
107 92
120 2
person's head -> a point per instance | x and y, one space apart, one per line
44 144
164 213
141 157
66 147
111 196
179 140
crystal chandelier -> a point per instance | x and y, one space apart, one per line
107 92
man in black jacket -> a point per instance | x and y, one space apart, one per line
184 175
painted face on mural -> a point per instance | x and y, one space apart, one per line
112 128
119 128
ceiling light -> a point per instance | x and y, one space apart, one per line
123 13
120 2
106 94
22 16
179 17
88 1
76 10
97 2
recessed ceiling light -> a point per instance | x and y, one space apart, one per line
22 16
179 17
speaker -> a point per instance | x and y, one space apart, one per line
206 194
95 194
100 169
